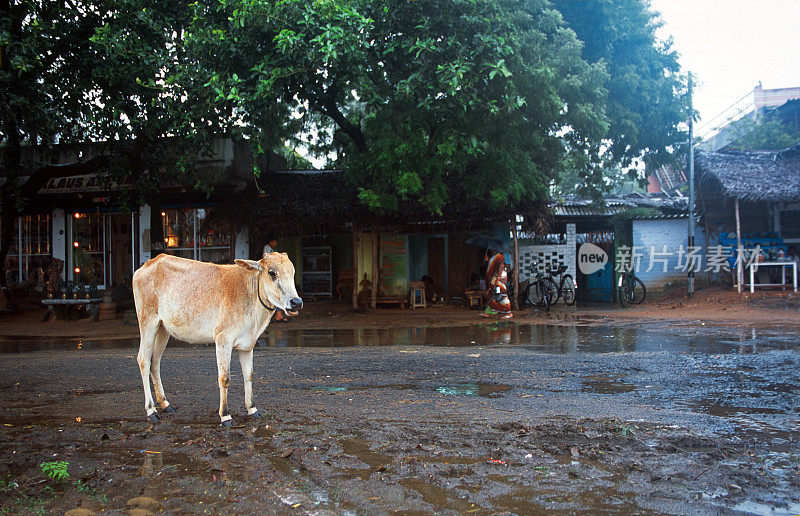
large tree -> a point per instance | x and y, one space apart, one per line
424 97
646 105
494 97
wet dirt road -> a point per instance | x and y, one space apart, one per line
474 420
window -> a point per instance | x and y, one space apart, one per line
29 254
192 233
12 258
35 249
213 238
179 232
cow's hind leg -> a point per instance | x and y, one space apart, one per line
224 350
159 343
148 335
246 360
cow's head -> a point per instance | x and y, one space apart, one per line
276 281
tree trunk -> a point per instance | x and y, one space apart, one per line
8 216
516 263
739 275
375 236
355 266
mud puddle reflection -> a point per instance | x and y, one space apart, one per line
539 338
548 338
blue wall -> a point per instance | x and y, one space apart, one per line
418 255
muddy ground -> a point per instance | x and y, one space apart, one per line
583 417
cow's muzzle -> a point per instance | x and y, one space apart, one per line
295 304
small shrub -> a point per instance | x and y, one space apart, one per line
56 470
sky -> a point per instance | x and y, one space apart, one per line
731 45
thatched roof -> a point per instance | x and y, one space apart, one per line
753 176
321 202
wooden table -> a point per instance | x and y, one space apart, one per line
92 306
783 265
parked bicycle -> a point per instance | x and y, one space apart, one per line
564 286
630 289
540 290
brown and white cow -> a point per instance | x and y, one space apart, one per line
201 303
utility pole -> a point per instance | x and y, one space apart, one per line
691 187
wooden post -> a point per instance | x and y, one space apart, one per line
738 250
515 301
355 266
375 237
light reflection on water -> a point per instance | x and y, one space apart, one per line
544 338
539 338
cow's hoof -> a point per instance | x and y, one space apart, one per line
154 418
227 424
168 409
255 415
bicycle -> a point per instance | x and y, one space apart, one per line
540 290
630 289
565 286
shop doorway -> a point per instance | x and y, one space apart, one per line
437 265
102 248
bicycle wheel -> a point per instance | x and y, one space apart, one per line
536 294
638 291
552 290
568 290
524 298
622 291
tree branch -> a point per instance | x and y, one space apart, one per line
328 107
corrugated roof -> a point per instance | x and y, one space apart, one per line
663 216
574 206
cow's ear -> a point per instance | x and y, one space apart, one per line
249 265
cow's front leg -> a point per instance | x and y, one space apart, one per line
224 349
246 360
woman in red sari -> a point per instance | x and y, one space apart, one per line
496 283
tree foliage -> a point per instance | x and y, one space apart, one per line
764 133
427 99
647 93
423 101
434 101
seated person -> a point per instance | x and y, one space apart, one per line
430 288
474 283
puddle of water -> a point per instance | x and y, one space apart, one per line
484 390
440 498
333 388
549 338
539 338
753 507
602 384
456 461
26 344
359 449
